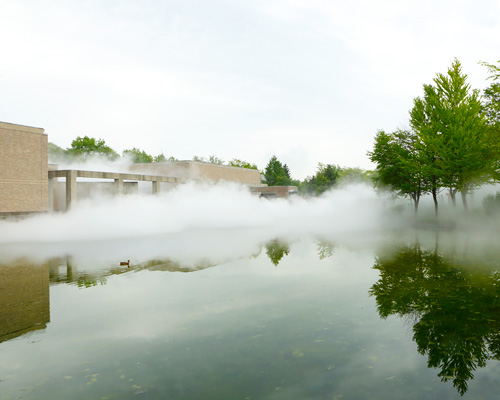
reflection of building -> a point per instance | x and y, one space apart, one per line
23 171
24 298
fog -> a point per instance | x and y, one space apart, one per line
219 222
192 216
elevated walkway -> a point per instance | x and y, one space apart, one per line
71 176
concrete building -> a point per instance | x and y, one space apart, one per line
275 191
23 169
29 185
200 170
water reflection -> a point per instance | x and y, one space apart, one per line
453 306
276 250
325 248
24 298
24 284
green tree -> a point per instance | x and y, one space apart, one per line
452 134
215 160
275 174
353 175
242 164
492 95
399 165
57 153
138 156
84 147
326 177
211 159
162 158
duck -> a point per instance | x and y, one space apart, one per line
125 263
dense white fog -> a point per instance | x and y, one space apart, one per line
201 215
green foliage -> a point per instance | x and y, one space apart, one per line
84 147
277 174
399 165
491 204
162 158
353 175
138 156
56 153
452 133
242 164
215 160
211 159
276 250
450 145
325 178
325 249
492 95
455 313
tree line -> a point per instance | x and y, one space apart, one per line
83 148
275 173
452 144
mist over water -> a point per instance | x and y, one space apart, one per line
220 222
196 213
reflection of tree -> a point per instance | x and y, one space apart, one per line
325 249
276 250
88 281
456 314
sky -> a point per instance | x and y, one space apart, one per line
306 80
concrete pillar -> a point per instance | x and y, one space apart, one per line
156 187
119 186
51 194
70 188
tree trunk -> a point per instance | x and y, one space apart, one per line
453 195
464 200
434 197
416 199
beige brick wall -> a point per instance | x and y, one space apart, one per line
23 169
200 170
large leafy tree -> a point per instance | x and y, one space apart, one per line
399 165
452 134
277 174
85 147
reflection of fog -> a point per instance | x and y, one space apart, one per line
24 298
452 303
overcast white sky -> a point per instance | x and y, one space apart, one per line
308 80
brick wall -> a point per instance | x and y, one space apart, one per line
23 169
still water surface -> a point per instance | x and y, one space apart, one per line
412 315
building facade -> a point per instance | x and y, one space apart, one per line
23 169
200 170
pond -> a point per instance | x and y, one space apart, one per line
226 314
